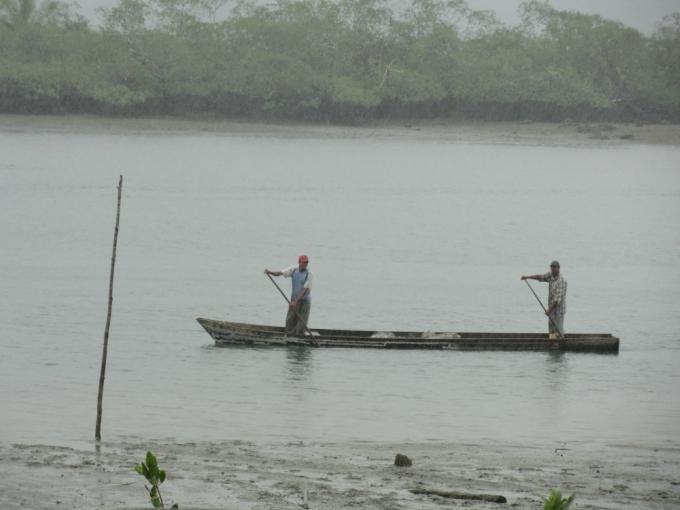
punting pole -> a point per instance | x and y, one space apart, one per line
313 341
546 311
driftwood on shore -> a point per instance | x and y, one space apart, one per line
491 498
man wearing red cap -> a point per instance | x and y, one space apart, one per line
301 298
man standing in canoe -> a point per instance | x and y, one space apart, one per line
300 299
557 297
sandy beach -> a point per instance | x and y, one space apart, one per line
240 475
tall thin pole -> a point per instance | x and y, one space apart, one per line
311 335
102 373
546 311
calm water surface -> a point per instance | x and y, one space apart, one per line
403 233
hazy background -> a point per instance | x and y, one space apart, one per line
641 14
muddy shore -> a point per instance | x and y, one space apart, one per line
533 133
244 475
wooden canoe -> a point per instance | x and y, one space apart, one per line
235 333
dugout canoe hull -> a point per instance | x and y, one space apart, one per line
226 333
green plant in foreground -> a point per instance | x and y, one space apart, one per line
155 477
555 501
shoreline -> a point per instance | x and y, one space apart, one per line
442 130
293 475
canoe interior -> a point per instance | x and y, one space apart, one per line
236 333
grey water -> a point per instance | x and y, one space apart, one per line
402 232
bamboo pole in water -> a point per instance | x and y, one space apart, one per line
102 373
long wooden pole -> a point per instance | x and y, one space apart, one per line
311 336
102 373
546 311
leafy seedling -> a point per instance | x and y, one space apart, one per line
556 501
155 476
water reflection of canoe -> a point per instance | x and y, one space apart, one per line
234 333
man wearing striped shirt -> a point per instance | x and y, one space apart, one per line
557 297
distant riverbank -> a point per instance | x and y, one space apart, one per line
346 63
443 130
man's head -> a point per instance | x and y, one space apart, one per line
555 268
303 260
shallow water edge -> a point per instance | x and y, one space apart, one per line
564 133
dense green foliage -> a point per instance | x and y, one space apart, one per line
335 60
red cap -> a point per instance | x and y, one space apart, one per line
303 258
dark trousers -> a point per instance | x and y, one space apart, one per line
296 322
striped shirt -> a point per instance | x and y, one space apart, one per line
557 292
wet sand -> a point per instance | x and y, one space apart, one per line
532 133
244 475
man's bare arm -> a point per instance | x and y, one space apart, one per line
300 296
538 277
